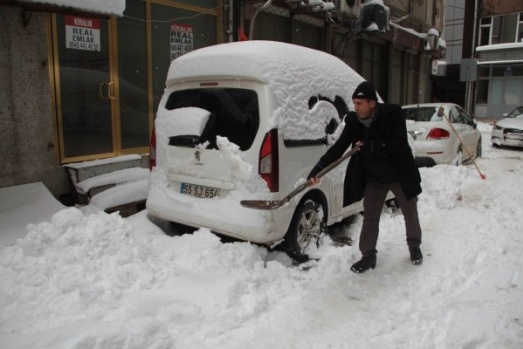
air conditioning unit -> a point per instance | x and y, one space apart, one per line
374 17
348 7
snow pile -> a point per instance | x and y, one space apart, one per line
121 194
21 205
232 156
116 177
98 280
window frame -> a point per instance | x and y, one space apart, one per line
492 29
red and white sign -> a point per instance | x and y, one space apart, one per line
181 40
82 33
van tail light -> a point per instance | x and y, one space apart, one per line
438 133
152 150
269 160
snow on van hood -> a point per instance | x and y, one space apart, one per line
294 74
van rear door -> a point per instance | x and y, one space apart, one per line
189 124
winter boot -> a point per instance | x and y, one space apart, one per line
416 257
365 263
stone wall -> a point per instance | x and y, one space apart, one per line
26 109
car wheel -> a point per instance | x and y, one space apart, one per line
307 228
479 149
179 229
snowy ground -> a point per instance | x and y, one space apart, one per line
84 280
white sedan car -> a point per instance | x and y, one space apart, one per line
509 130
443 133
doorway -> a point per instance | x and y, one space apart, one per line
107 81
100 86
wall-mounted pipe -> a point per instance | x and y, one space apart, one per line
261 8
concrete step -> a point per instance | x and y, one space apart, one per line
90 178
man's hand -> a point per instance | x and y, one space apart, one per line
314 180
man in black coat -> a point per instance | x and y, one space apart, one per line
384 162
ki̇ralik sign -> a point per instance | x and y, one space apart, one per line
82 33
181 39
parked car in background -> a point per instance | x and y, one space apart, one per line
443 133
509 130
248 121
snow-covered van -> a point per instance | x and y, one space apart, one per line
248 121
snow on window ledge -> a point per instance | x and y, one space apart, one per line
500 46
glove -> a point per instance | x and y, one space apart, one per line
317 168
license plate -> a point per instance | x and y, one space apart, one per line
199 191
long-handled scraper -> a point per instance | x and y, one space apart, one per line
273 204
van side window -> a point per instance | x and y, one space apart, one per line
338 103
342 110
235 113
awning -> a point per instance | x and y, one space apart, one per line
102 7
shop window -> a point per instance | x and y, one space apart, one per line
174 32
482 91
513 92
373 61
132 72
269 26
483 71
507 70
281 26
412 78
496 92
396 73
306 34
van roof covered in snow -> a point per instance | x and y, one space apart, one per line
294 73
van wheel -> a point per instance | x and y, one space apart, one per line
179 229
307 227
479 149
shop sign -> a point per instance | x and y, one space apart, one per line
82 33
181 39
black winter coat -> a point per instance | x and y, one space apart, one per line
385 156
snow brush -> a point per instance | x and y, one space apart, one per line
274 204
483 176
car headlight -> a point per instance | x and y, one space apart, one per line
498 128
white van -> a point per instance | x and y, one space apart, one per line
248 121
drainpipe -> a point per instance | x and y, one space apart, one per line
469 89
261 8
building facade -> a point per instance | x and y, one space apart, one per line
499 52
457 32
79 85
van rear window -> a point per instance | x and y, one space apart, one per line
234 113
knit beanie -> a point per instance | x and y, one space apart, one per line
365 90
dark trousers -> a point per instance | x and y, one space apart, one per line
373 201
